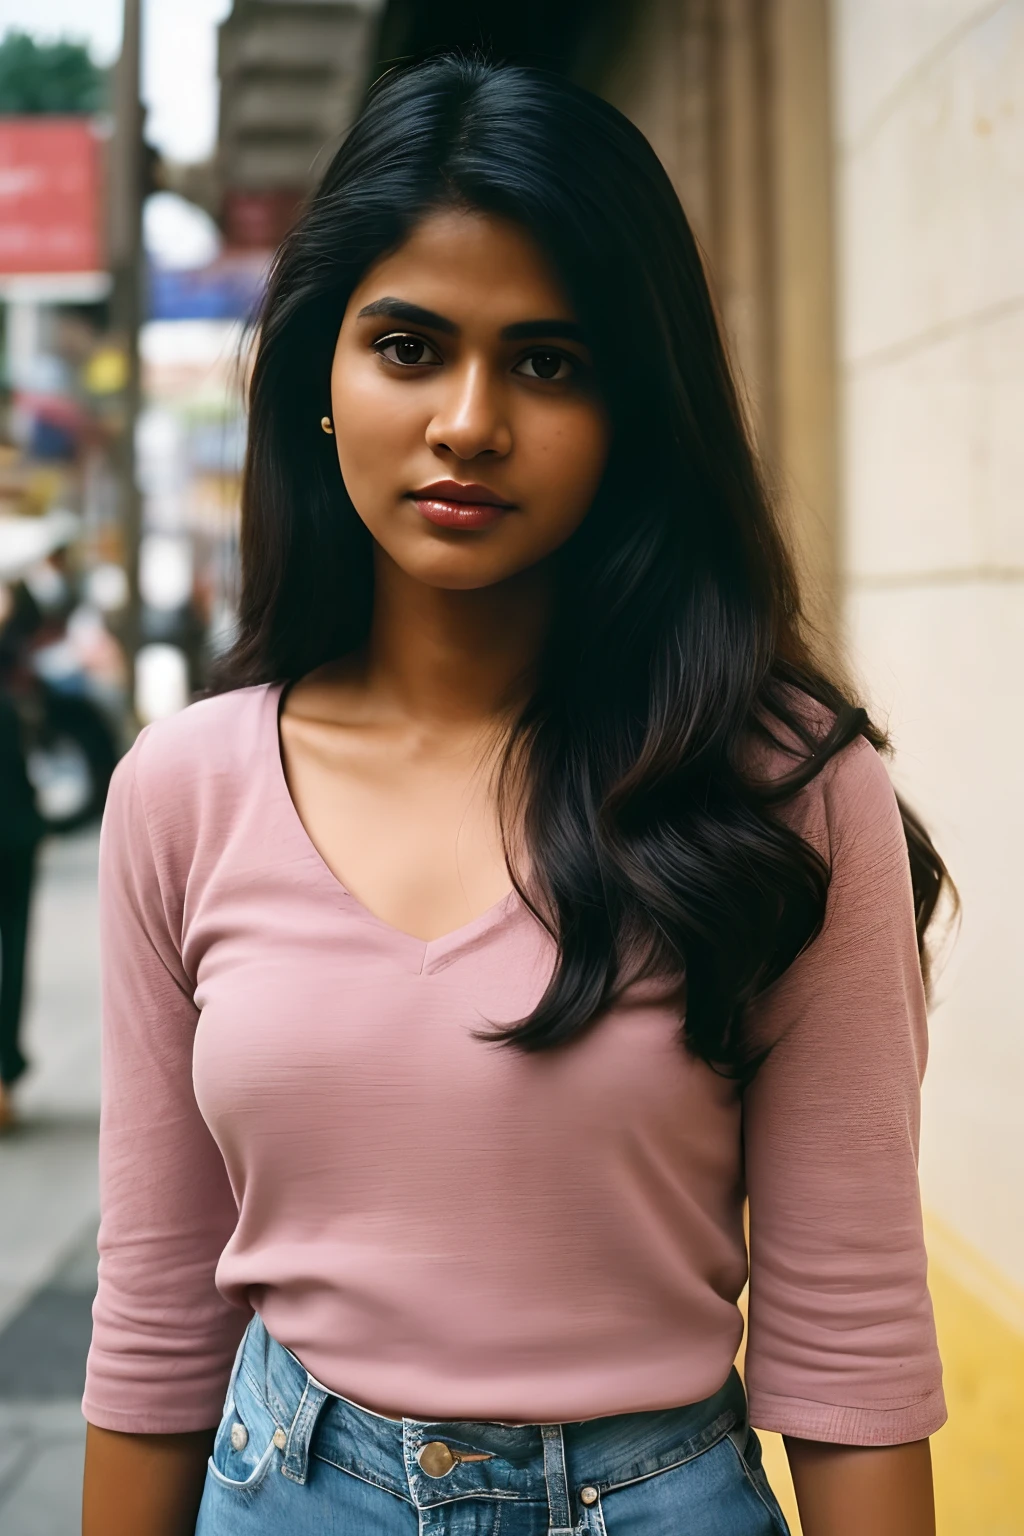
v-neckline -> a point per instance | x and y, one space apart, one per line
432 952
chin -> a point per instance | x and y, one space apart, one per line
465 578
453 569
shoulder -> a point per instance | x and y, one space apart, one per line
850 795
223 734
849 814
851 810
187 789
195 765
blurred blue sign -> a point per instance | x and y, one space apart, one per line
230 288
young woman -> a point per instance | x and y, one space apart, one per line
529 902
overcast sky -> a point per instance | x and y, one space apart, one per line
179 73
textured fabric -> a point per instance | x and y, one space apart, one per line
341 1469
299 1118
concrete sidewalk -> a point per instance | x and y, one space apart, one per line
49 1207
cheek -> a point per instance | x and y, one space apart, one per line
373 429
569 455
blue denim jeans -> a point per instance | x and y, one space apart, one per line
291 1457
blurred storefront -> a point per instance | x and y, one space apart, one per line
190 442
60 570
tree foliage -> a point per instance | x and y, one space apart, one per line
48 77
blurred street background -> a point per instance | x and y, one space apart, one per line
854 171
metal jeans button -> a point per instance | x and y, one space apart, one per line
239 1437
588 1495
436 1459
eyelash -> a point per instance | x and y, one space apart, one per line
393 339
380 347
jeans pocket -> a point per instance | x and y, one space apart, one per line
711 1494
244 1446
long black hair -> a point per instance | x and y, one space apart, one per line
677 635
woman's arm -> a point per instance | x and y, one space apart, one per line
150 1483
845 1490
841 1347
163 1336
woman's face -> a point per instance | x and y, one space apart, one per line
469 429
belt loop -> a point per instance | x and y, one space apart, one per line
559 1518
296 1448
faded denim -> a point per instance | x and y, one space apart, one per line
309 1463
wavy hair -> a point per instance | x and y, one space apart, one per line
677 636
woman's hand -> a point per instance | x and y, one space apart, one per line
847 1490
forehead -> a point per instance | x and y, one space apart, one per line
470 267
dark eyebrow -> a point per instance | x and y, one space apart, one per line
522 330
532 330
398 309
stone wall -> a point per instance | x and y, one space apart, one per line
930 201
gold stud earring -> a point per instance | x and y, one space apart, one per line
325 422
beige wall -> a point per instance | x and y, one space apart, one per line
930 182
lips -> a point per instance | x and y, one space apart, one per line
450 504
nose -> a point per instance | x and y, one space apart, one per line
470 419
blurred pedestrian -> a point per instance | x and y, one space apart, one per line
21 828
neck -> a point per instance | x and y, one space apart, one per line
455 655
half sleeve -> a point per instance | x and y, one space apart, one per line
841 1342
163 1336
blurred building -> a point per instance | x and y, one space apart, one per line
292 74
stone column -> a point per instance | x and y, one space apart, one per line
734 95
799 124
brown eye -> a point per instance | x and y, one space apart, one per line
545 365
408 351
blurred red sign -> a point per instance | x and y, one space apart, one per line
49 195
259 221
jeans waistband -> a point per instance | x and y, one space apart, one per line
540 1462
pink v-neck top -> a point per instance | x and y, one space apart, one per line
298 1118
